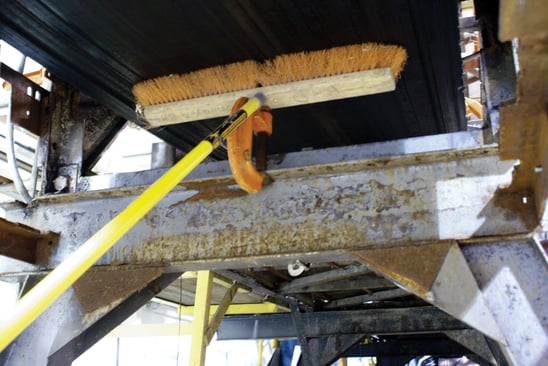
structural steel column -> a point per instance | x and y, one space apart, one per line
201 318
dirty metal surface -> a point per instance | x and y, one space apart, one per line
101 126
434 272
327 350
98 287
512 276
414 267
457 141
526 20
524 125
66 136
305 211
474 341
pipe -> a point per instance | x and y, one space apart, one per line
34 171
65 274
12 161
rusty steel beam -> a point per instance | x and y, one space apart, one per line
314 210
22 242
439 274
524 124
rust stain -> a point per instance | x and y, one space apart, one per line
217 192
415 267
517 204
524 125
99 288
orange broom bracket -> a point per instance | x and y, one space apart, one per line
240 145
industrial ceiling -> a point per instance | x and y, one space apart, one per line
105 47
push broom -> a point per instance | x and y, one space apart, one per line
341 69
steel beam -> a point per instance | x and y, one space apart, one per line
456 141
307 357
439 274
319 324
268 294
368 281
328 350
512 276
306 282
497 287
361 299
220 312
65 140
316 211
78 345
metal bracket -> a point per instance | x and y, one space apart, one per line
27 99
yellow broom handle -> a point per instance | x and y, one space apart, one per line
30 306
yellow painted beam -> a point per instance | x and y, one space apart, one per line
233 309
220 312
201 318
261 345
151 330
216 280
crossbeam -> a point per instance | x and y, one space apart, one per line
313 212
319 324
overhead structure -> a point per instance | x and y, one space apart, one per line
395 224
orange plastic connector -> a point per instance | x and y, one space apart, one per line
239 146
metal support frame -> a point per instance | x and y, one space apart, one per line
201 318
71 321
78 345
22 242
433 272
65 140
311 281
328 349
512 277
204 328
341 201
361 299
475 342
346 205
306 353
319 324
501 286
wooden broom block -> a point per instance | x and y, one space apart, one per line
291 94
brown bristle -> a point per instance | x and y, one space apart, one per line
282 69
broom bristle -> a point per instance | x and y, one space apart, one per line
333 61
200 83
282 69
